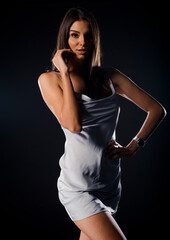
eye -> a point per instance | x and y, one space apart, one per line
74 35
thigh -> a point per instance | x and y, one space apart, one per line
101 226
83 236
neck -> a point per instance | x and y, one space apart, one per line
78 66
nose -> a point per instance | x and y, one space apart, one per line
82 40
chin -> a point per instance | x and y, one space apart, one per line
81 57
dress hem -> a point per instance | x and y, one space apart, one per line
90 215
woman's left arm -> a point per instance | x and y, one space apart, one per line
125 87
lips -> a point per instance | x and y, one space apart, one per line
82 51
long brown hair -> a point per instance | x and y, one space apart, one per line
97 76
78 14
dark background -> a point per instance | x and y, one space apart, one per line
134 38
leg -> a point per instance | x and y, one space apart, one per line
83 236
101 226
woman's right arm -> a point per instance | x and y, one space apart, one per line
62 102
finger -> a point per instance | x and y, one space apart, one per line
115 156
67 54
61 51
111 146
117 152
120 151
111 142
66 50
109 150
114 153
111 153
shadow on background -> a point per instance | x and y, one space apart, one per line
134 40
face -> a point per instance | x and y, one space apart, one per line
80 39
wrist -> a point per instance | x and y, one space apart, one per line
133 146
64 73
139 141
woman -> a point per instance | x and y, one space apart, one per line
82 96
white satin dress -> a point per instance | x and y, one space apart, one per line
89 182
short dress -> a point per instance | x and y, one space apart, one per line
89 182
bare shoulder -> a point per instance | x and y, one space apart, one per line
114 74
48 78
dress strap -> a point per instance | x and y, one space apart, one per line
111 85
56 73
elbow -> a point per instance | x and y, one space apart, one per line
162 112
73 126
158 112
75 129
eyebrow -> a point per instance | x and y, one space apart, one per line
78 31
74 31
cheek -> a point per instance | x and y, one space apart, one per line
72 43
